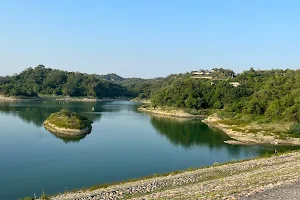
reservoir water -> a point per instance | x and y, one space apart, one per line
123 144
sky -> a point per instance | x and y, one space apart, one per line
148 38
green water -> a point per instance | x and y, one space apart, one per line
123 144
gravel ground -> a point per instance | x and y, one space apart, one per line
286 192
251 179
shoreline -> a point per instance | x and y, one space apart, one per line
238 137
87 99
229 181
245 138
56 98
13 99
143 101
170 113
72 99
66 131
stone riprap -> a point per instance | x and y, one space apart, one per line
230 181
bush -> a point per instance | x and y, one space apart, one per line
218 105
295 129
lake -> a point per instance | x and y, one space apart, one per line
123 144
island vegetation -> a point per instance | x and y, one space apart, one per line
68 123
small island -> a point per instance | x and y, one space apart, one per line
69 124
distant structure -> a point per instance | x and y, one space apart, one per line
202 74
234 84
215 75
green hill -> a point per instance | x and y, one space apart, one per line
47 81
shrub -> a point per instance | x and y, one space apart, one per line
218 105
295 129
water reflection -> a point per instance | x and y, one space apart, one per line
188 133
66 139
37 112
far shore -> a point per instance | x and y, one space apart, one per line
144 101
57 98
170 112
13 98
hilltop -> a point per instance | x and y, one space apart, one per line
41 81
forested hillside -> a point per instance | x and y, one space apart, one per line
110 77
274 94
46 81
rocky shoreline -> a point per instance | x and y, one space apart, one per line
66 131
144 101
77 99
238 137
170 112
71 99
229 181
248 138
12 98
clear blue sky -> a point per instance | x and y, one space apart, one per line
139 38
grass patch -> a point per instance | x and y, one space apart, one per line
237 129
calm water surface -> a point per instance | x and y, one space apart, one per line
123 144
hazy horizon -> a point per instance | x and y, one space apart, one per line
148 39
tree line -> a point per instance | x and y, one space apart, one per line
46 81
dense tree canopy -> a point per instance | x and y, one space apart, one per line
45 81
274 94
